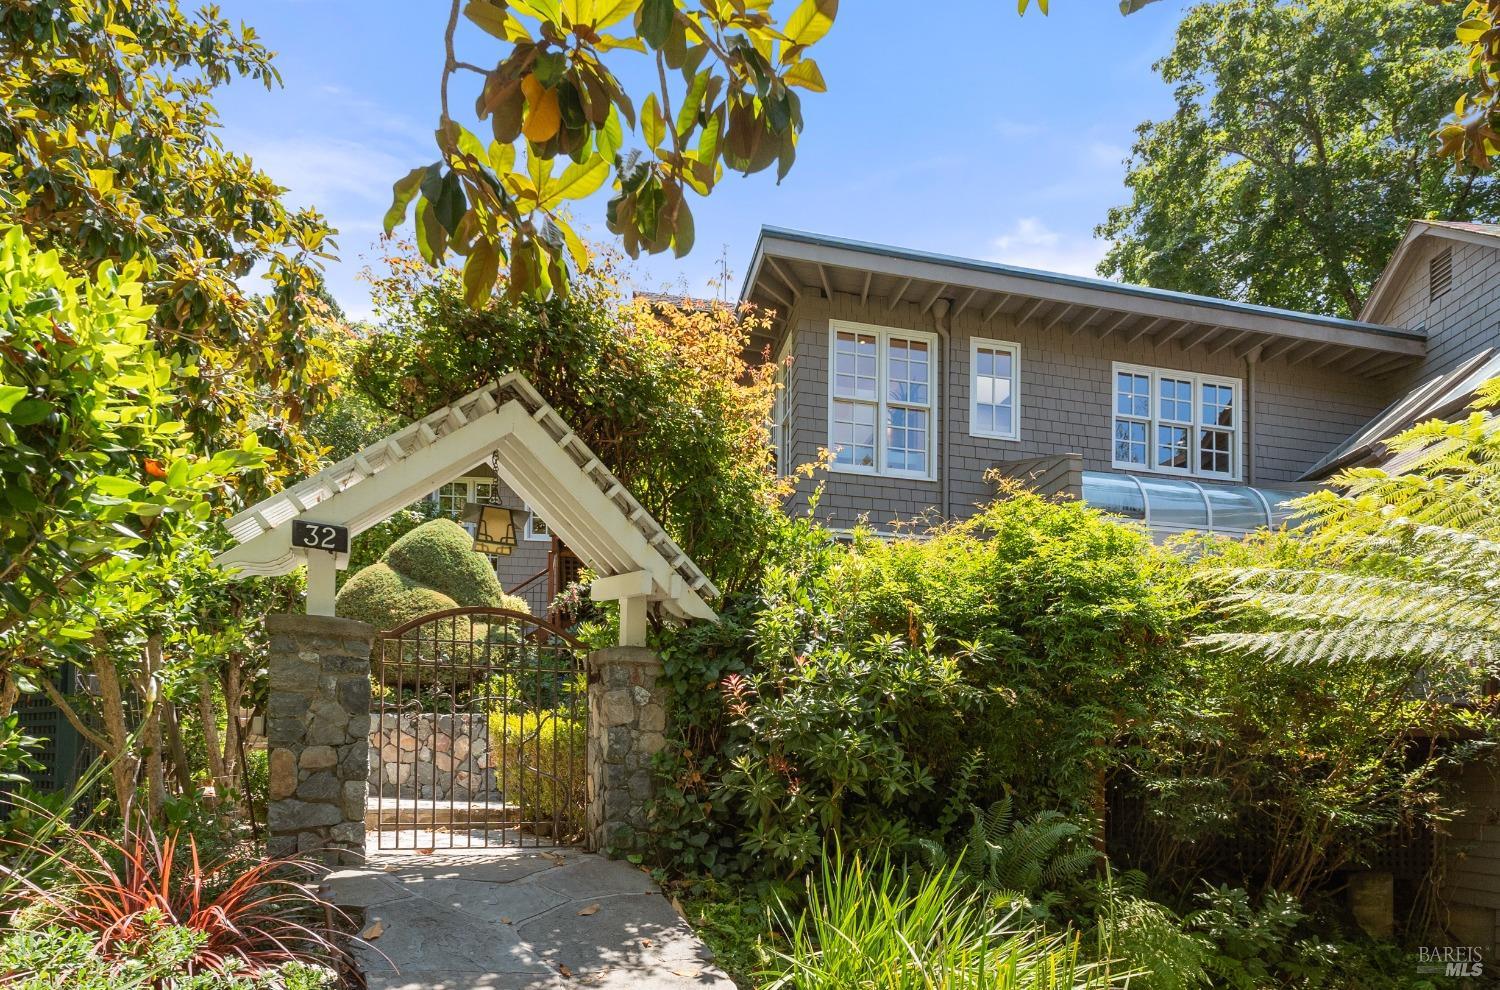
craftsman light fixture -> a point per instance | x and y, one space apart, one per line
494 525
494 528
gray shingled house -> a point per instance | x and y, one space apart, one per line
921 373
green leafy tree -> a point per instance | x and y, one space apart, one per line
1299 149
109 151
725 97
664 396
102 484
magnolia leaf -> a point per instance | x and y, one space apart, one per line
684 232
811 21
687 114
480 272
609 137
608 12
1472 29
576 248
489 16
807 75
542 10
653 125
656 19
402 192
502 157
544 116
609 42
450 205
576 182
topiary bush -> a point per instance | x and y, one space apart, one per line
440 554
385 599
431 568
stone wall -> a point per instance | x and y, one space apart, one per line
446 757
627 726
318 728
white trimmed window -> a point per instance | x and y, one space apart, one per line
781 411
536 528
881 402
994 387
1174 422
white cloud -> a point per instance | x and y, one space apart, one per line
1030 243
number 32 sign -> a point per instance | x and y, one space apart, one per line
320 536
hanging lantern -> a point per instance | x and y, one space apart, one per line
494 528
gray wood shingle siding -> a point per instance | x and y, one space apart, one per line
1459 321
1298 412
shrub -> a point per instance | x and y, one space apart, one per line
161 955
539 766
1020 861
433 567
439 554
252 914
385 599
867 690
863 926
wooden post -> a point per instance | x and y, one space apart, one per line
322 581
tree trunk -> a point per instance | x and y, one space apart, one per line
123 763
211 742
183 770
156 784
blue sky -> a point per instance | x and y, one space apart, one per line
968 131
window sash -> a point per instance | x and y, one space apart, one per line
985 405
895 400
1184 423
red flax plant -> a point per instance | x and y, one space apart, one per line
254 912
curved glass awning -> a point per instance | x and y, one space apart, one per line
1177 505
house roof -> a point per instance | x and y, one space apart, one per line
1438 397
789 263
1396 267
538 456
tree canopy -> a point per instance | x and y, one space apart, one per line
726 73
663 395
1300 147
109 151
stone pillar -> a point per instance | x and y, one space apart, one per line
318 731
627 726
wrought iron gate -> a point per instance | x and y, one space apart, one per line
478 732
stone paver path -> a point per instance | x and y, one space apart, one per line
521 919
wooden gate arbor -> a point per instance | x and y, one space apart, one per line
480 720
349 702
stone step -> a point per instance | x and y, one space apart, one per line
406 813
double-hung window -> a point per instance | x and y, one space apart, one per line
994 382
881 401
1175 422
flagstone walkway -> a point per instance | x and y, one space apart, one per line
520 919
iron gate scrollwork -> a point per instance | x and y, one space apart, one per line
478 732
